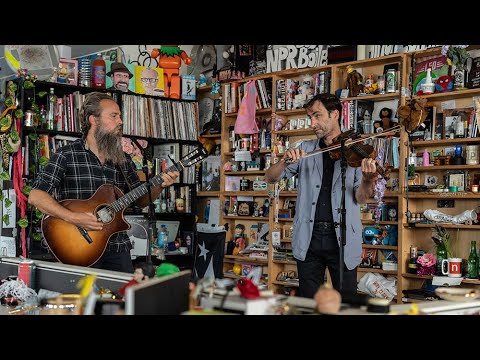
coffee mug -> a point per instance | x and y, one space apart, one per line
454 267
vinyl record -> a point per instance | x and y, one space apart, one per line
204 58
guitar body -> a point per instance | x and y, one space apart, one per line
65 240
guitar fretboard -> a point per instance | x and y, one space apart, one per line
124 201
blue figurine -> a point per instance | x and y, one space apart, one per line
202 80
207 211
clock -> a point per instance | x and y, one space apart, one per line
392 214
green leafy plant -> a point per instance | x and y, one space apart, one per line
442 237
456 54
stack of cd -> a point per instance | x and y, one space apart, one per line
85 72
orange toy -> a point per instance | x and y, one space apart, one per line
170 60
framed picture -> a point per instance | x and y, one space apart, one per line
188 238
431 180
67 72
457 179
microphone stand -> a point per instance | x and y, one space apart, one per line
152 230
343 213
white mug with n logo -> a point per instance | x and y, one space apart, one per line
454 267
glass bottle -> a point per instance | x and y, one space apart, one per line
412 158
52 100
43 117
412 263
441 255
473 261
98 72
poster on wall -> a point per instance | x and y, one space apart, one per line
374 51
282 57
121 75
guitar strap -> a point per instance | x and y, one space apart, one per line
130 188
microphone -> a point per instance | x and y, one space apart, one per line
85 234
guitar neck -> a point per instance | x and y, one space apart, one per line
124 201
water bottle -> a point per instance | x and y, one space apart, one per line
162 239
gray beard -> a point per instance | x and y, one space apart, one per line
111 146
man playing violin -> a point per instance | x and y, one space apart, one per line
316 239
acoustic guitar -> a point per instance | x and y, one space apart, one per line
76 246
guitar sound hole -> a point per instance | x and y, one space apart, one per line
105 214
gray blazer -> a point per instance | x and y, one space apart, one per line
310 172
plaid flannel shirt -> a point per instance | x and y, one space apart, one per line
74 172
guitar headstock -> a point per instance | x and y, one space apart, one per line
193 157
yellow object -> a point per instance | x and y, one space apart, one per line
413 310
237 269
11 59
86 284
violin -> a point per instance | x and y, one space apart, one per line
354 148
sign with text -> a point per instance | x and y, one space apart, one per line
374 51
282 57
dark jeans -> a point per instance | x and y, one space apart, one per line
115 261
323 253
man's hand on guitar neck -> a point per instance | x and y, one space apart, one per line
169 178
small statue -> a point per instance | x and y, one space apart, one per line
202 81
354 82
239 239
170 59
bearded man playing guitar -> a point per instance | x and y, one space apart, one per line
83 176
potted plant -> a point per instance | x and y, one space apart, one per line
457 55
441 238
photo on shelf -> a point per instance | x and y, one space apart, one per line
149 81
457 179
211 174
452 116
119 80
431 180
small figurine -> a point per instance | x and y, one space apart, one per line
202 81
239 239
170 59
386 122
207 211
444 83
62 74
143 272
266 208
354 82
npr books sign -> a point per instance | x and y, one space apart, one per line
283 57
374 51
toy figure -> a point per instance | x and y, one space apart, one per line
62 74
239 239
266 208
202 81
143 272
171 57
386 122
207 211
444 83
354 82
